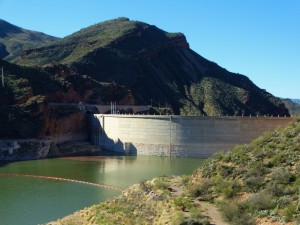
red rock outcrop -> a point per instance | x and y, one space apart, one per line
64 128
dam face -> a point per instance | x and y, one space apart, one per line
188 136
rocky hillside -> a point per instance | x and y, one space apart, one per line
14 40
292 105
296 101
158 67
24 108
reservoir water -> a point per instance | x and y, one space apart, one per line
34 200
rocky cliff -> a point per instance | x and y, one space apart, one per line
25 101
24 149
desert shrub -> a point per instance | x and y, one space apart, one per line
282 176
219 156
254 183
201 189
289 212
229 188
209 169
274 189
183 202
260 201
284 201
161 184
145 186
257 169
184 180
262 213
196 211
238 155
288 133
236 213
277 160
225 171
194 221
241 171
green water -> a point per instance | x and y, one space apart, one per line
25 200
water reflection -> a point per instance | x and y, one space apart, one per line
45 200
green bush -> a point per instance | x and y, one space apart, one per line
184 180
277 160
284 201
236 213
183 202
193 221
282 176
257 169
254 184
289 212
145 186
260 201
202 189
229 188
225 171
274 189
160 184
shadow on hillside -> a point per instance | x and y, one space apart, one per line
3 163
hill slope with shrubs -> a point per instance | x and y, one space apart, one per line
257 183
293 106
14 40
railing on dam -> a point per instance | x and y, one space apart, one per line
118 109
190 136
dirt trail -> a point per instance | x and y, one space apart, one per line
213 213
208 209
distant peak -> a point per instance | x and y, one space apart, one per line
7 28
122 19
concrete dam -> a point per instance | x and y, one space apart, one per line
187 136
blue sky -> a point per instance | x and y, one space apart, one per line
257 38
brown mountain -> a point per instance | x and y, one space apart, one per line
158 67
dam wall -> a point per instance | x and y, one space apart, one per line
187 136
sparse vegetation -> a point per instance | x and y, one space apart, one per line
22 121
293 107
150 202
267 177
14 40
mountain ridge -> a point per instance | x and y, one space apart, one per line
101 35
157 66
292 106
296 100
14 39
